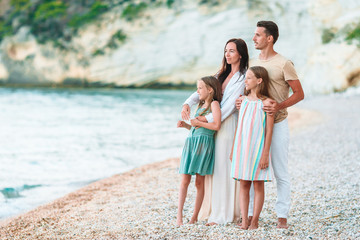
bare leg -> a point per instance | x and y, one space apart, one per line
251 204
185 181
199 184
244 203
258 203
282 223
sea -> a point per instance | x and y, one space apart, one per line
54 141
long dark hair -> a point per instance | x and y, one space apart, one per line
242 49
211 82
263 90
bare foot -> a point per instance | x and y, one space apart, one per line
192 221
244 225
282 223
211 224
179 223
250 219
253 226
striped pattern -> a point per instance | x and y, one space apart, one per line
249 143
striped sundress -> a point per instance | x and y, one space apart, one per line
249 143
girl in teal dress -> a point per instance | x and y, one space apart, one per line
198 153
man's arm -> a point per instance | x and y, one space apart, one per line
297 96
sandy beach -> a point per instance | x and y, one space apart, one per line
142 203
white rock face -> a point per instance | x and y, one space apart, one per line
182 44
3 72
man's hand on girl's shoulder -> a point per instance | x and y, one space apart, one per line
270 106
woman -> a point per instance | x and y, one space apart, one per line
219 204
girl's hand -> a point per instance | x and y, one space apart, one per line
264 162
194 122
202 118
181 124
185 112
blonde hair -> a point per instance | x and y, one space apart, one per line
263 88
211 82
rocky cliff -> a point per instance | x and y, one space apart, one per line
177 43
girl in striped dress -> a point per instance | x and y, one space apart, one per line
251 149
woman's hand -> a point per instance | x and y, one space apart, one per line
185 112
238 102
264 161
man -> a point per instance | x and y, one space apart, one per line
282 77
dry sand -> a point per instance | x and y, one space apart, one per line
142 203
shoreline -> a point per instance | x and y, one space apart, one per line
142 202
61 206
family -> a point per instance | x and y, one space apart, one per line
239 137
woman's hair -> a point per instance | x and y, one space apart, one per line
242 49
211 82
263 87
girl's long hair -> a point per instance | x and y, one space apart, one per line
242 49
211 82
263 88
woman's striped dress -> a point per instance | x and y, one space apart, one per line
249 143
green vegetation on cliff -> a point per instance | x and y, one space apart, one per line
58 20
133 10
354 35
94 11
350 33
50 20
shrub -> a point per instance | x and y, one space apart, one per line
98 52
118 37
96 9
327 35
50 10
132 10
210 2
20 5
354 35
5 29
169 3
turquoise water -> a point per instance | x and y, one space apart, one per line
54 141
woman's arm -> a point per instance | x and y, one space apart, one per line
228 104
216 124
192 100
264 161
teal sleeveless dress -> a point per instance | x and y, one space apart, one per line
198 155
